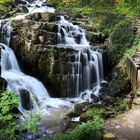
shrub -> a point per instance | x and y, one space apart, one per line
94 128
8 108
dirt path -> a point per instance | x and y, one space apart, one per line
126 126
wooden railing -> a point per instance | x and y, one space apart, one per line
133 70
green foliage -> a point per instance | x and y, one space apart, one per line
5 6
115 106
130 7
8 104
92 129
131 52
121 105
122 34
83 131
95 112
90 7
9 114
58 3
83 10
121 39
97 3
5 1
31 123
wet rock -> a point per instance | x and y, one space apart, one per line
25 9
3 84
102 95
45 4
72 114
104 84
51 27
94 97
82 107
108 99
104 90
95 37
41 17
25 99
78 38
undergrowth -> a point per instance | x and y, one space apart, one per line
93 129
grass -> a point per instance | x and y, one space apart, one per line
131 52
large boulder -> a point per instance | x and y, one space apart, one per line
95 37
42 16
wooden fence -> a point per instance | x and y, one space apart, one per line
133 70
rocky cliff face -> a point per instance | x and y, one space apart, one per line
33 41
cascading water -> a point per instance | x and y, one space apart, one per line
86 71
36 7
71 34
18 81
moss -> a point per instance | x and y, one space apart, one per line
5 6
129 7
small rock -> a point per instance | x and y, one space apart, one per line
104 84
83 95
83 117
41 39
118 126
25 9
109 136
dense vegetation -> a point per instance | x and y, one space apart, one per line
5 6
8 114
92 129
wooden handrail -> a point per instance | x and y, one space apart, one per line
133 72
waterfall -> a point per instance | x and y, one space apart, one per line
22 83
36 7
86 72
71 34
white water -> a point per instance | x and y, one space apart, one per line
68 33
36 7
86 67
17 80
86 72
